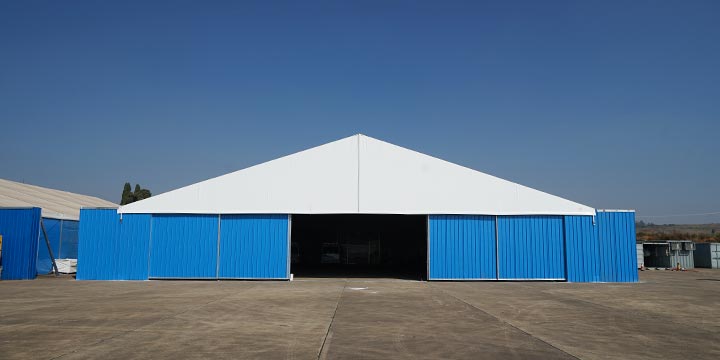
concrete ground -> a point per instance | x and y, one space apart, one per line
667 315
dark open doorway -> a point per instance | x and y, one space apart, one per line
359 245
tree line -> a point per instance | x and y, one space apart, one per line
646 231
644 235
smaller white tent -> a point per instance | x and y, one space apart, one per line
56 204
358 175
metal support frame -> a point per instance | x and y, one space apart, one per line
289 245
60 241
358 173
497 250
217 262
427 245
149 244
47 242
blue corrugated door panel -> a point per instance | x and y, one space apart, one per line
582 249
184 246
531 248
616 234
19 229
69 240
110 248
52 228
254 247
462 247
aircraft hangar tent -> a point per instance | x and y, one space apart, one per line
24 210
357 206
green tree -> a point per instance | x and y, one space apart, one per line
133 196
140 193
127 195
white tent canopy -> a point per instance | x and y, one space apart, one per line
358 175
55 204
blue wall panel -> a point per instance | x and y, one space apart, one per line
110 249
254 247
582 248
531 247
462 247
616 234
69 240
19 229
184 246
52 228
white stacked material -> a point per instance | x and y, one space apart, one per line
66 266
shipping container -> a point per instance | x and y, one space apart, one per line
707 255
669 254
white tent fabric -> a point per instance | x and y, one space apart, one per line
358 175
55 204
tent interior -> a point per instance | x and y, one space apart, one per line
359 245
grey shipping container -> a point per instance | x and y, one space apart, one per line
668 254
707 255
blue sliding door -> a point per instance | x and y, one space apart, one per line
184 246
254 247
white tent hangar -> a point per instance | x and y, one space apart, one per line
358 175
359 205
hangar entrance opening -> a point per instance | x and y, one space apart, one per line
359 245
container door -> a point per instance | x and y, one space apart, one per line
715 255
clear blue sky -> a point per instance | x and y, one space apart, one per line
614 104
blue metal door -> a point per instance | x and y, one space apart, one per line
531 248
184 246
19 229
254 247
461 247
616 234
111 249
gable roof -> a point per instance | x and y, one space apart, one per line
358 175
56 204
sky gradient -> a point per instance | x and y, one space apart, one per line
612 104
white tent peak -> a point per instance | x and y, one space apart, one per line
357 175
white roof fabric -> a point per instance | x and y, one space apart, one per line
358 175
55 204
